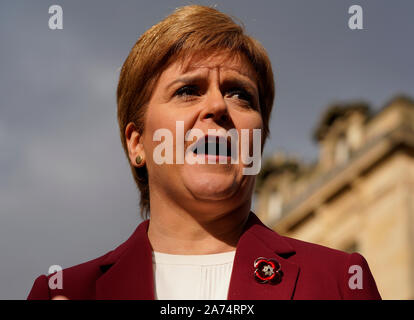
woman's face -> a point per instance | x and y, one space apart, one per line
216 92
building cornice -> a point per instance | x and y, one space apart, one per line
330 183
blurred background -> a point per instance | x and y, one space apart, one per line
338 169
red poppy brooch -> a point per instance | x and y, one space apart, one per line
267 271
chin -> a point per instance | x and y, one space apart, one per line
213 187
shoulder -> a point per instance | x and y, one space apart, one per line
79 281
76 281
310 257
324 258
297 250
327 270
316 254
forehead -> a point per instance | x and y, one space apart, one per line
235 63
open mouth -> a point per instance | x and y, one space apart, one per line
213 146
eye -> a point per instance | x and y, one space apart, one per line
241 94
187 91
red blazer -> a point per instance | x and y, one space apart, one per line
309 271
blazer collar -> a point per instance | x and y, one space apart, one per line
257 241
128 271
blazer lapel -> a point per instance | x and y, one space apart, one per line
259 241
129 274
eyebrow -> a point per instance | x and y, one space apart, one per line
230 80
185 79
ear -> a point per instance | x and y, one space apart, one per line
134 141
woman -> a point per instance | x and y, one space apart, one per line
197 76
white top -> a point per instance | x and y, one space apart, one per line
192 277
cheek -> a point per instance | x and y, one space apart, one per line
258 121
250 119
161 121
250 123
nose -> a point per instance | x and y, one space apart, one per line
215 108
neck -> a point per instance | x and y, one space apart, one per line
174 230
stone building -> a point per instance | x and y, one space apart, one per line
358 196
